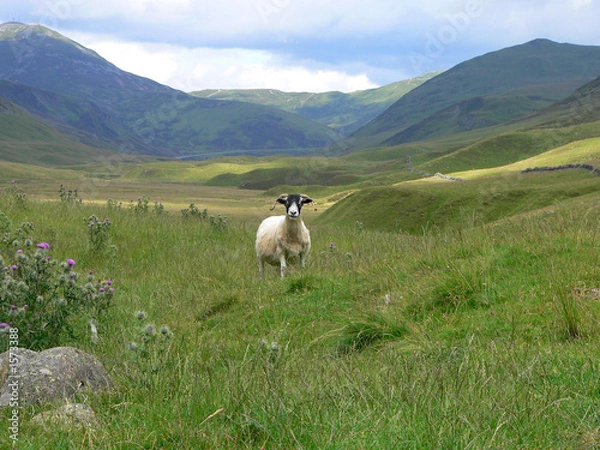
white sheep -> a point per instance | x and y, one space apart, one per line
284 239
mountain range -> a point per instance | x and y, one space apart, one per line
67 85
58 91
343 112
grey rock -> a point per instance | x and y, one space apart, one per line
75 415
30 377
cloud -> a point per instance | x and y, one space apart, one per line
308 45
236 68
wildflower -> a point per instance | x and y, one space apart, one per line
108 282
141 315
3 325
274 347
331 246
150 330
164 330
133 346
70 262
43 245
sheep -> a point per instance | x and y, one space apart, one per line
284 239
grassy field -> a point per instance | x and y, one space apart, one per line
483 335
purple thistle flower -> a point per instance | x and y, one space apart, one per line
14 267
109 283
43 245
71 262
3 325
13 306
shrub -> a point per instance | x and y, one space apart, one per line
98 232
42 297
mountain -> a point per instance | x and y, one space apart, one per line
345 112
25 139
70 86
582 106
484 91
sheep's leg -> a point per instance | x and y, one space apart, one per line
282 267
261 268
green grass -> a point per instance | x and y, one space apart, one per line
477 336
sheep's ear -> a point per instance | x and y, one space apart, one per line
306 199
281 199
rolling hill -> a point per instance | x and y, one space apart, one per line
70 86
345 112
484 91
25 139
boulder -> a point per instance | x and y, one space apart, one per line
75 415
29 377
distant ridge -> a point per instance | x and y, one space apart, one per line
488 90
344 112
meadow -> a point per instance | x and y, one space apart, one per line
478 332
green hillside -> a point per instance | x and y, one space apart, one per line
340 111
70 86
24 139
528 77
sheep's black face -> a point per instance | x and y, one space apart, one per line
293 204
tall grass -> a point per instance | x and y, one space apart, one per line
478 337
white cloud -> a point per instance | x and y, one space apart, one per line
208 68
302 45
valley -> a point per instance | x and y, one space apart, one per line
450 299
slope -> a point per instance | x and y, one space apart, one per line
345 112
24 139
143 116
535 74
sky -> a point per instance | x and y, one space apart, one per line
302 45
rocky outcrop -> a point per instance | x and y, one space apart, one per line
30 377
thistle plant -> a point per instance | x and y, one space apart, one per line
194 211
42 297
149 351
98 232
159 209
142 206
113 204
15 195
69 196
219 222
